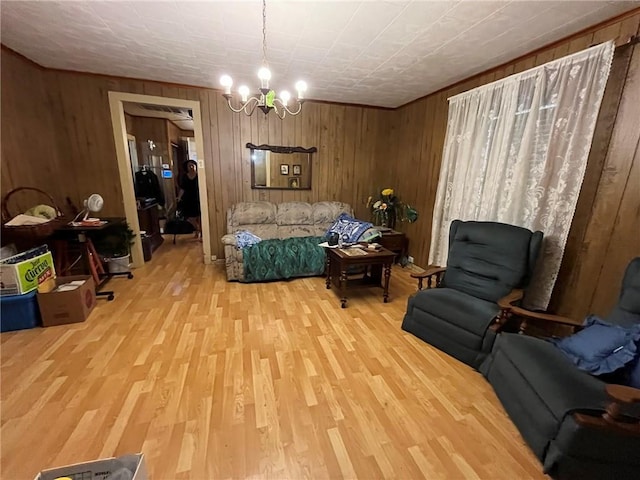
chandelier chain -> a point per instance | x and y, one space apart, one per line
264 33
266 99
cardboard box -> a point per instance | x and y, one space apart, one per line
71 306
99 469
23 276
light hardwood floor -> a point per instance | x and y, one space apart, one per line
225 380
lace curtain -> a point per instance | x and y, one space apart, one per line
516 152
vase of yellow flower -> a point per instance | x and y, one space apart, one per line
387 209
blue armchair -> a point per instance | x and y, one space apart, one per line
488 265
577 425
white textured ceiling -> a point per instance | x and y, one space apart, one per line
384 53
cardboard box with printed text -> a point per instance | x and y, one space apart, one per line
18 276
70 305
100 469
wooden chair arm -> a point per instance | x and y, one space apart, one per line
546 317
613 417
623 394
428 274
506 301
431 270
505 304
508 310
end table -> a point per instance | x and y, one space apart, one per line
397 242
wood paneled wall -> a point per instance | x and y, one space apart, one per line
606 222
29 150
155 129
128 121
173 132
342 168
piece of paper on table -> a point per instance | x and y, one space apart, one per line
326 245
66 288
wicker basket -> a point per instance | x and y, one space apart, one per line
27 235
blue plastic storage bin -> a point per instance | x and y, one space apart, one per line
18 312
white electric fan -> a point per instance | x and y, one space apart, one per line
93 204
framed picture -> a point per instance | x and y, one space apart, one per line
294 182
297 169
284 169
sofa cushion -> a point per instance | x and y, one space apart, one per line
600 347
289 231
249 213
294 213
327 212
349 228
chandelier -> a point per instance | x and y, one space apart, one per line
266 100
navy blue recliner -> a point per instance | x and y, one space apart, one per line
559 409
488 263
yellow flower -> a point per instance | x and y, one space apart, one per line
387 191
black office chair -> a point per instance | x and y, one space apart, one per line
489 263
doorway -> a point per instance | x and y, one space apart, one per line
163 162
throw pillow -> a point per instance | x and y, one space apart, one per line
600 347
348 228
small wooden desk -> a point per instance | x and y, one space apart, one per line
338 263
82 234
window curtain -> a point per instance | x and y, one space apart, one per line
516 151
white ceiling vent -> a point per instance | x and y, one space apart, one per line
162 108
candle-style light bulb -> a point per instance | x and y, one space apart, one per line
285 97
226 82
244 92
301 87
264 74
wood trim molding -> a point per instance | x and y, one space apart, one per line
116 100
11 51
359 105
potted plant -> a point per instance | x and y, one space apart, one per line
113 243
388 208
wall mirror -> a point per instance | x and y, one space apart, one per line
284 168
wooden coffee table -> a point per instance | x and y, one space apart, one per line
340 259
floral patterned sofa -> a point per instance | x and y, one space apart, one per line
275 221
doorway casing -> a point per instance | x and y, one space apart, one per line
116 100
